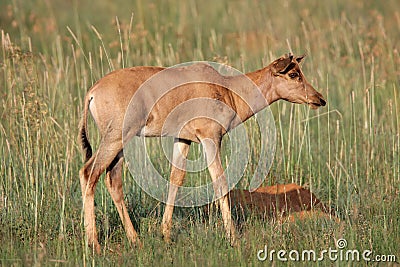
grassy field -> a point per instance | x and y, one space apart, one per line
347 153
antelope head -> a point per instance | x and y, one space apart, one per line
290 84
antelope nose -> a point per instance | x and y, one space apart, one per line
322 101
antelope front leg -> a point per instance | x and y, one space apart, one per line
212 151
178 171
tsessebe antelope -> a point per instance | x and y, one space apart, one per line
108 101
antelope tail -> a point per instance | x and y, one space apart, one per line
85 144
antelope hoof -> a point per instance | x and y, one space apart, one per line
167 237
96 247
166 232
233 241
137 243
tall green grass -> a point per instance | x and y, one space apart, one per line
348 153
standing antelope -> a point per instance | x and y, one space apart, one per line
108 101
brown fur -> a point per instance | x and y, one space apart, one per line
278 189
108 102
279 200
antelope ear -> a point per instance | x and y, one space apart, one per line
281 64
300 58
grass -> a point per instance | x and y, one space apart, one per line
348 153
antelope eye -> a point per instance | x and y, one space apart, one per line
293 75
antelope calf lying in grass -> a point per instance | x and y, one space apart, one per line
283 201
108 101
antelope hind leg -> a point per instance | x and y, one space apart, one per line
89 176
114 185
